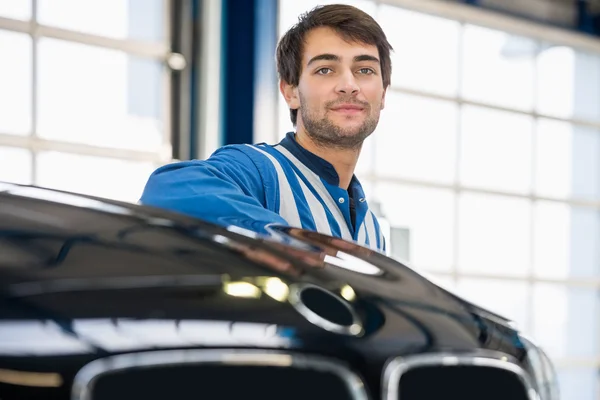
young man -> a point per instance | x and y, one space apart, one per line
334 67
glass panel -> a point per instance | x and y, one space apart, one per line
496 150
429 63
290 10
567 241
99 97
15 165
416 138
566 321
15 9
579 383
568 83
554 158
498 67
120 19
104 177
551 239
15 81
494 234
506 298
366 159
555 76
428 216
444 282
568 160
285 124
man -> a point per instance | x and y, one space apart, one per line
334 67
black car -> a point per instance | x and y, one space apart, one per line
107 300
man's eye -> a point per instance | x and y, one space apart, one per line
323 71
366 71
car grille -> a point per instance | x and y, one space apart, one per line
450 377
254 374
216 374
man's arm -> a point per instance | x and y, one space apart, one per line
227 189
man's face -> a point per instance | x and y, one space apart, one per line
340 93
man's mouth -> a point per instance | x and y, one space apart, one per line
348 108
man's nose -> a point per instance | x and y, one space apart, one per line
348 84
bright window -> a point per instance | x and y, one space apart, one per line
95 176
84 95
15 81
120 19
416 138
102 97
16 9
428 64
16 165
496 150
498 68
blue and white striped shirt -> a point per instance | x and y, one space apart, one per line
252 186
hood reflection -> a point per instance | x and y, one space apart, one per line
45 338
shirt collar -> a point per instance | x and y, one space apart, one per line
316 164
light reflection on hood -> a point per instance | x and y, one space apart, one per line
48 339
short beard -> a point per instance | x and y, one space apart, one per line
324 133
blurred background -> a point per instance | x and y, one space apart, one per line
485 166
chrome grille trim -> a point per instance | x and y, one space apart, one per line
86 377
398 366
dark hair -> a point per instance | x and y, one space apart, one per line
350 22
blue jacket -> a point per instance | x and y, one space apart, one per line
252 186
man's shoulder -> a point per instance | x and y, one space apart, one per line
260 154
234 148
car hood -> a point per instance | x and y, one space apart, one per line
92 276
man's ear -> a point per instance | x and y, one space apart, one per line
290 94
383 99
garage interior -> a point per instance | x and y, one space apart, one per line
485 166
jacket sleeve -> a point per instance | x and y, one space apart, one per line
226 189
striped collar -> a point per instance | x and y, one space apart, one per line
316 164
321 167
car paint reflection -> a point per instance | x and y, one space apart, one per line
46 338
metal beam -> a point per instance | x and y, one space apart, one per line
210 75
135 47
239 21
37 144
478 16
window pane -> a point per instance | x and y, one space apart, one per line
568 160
429 63
121 19
15 9
284 121
567 241
15 165
496 150
15 81
566 321
99 97
416 138
104 177
554 158
494 234
445 282
568 83
366 159
428 216
506 298
579 383
498 67
551 239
